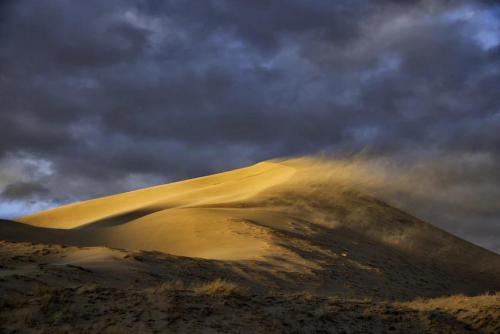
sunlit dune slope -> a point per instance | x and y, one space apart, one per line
171 217
225 187
304 216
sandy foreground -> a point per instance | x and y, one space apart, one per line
281 246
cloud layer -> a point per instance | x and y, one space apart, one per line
98 97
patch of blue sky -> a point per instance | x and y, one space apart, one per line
15 209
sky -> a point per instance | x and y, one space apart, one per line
99 97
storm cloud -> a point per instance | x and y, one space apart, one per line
98 97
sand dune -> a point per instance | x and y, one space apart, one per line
293 245
219 188
302 221
173 218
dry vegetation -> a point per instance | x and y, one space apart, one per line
217 287
40 295
213 307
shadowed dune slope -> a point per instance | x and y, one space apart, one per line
301 221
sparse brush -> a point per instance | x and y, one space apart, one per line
42 289
87 288
322 313
176 285
455 301
47 300
218 287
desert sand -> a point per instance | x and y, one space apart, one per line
281 246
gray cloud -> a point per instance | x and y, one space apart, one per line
23 191
115 95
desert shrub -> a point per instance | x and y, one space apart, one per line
176 285
218 287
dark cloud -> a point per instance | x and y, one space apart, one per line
23 191
115 95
